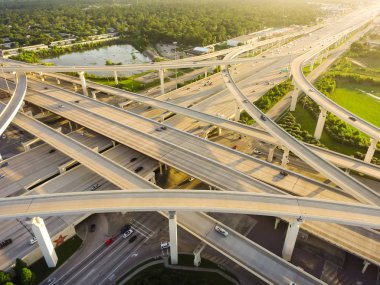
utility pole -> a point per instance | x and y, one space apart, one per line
22 223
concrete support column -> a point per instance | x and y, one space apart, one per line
371 150
219 131
75 87
42 77
173 237
116 79
15 76
271 153
285 157
205 73
160 167
365 266
58 81
84 84
320 123
290 240
44 241
93 94
162 80
276 222
71 126
295 95
197 254
312 64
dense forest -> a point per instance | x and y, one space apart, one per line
144 22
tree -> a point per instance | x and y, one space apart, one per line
27 277
4 278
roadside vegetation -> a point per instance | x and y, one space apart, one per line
268 100
354 87
144 23
22 275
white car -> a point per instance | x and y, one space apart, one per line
221 231
165 245
33 241
127 233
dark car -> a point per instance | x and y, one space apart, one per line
133 159
46 88
4 164
352 119
125 228
138 169
163 128
263 118
6 242
284 173
52 150
132 239
92 228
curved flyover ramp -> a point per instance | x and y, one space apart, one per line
14 104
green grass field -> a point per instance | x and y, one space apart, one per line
308 123
349 96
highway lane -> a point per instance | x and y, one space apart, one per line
89 202
75 180
81 153
354 187
306 86
305 187
8 113
335 158
21 172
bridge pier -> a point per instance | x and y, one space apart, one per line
83 82
26 145
173 237
58 81
44 241
42 77
294 97
285 157
271 153
162 80
371 150
276 222
291 237
197 254
116 79
320 123
75 87
365 266
93 94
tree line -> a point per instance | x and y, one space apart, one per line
147 22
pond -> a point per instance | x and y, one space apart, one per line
126 54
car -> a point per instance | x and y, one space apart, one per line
158 129
245 101
109 241
311 90
132 239
292 283
33 240
125 228
138 169
46 88
163 128
52 150
61 106
127 233
352 118
234 147
221 231
6 242
284 173
4 164
2 176
94 186
77 101
133 159
92 228
191 179
255 151
165 245
263 118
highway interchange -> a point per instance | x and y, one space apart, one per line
216 165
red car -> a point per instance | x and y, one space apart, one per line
109 241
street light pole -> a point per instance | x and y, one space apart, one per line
175 58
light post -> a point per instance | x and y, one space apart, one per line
175 58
